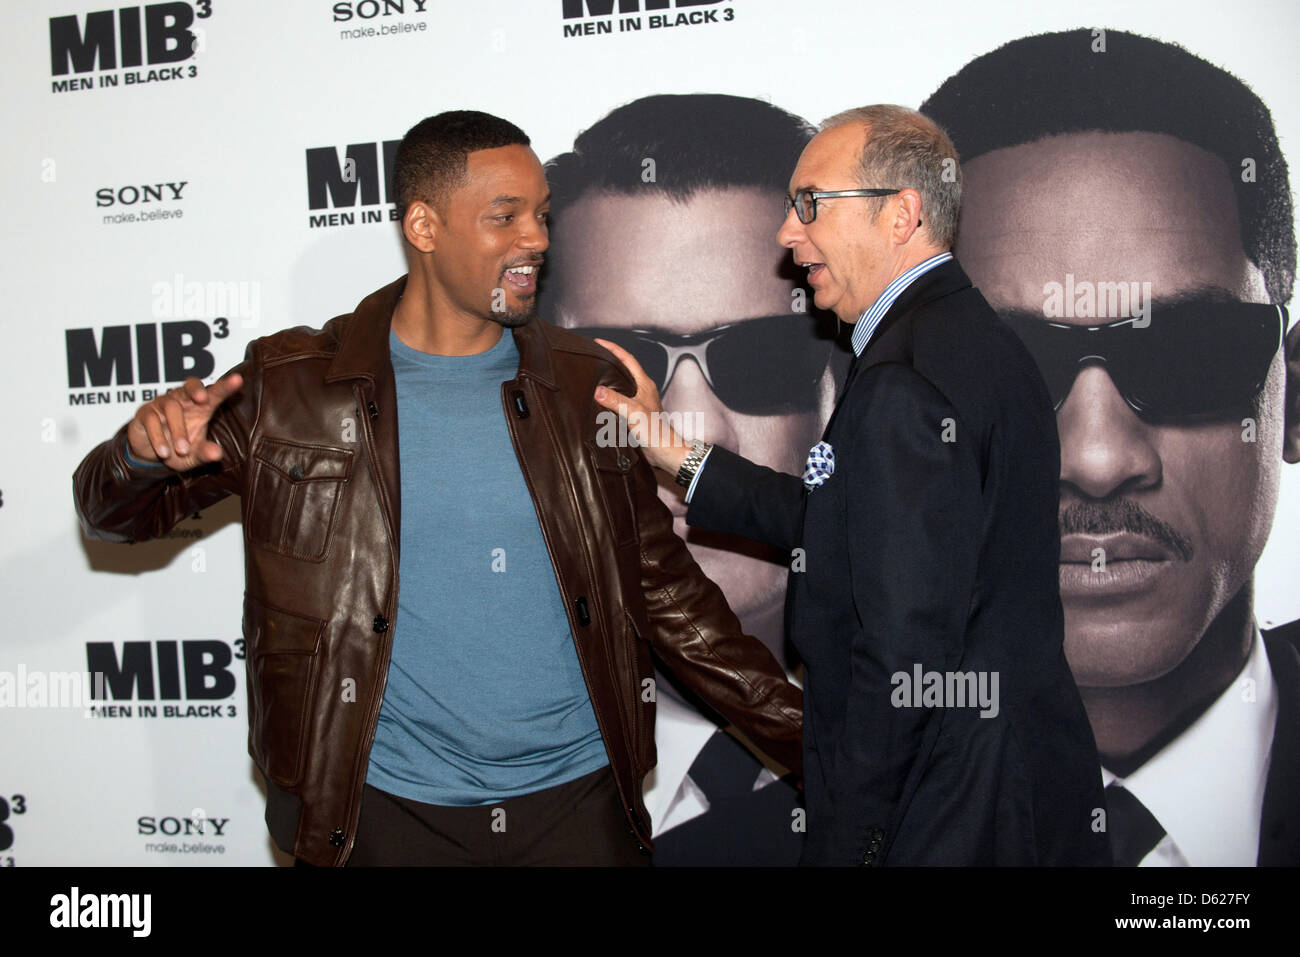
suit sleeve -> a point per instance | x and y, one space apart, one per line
700 639
119 501
736 496
914 519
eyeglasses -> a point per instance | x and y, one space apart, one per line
1196 359
771 365
804 201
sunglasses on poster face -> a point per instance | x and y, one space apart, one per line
1195 359
772 365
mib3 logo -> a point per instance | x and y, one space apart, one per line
158 35
158 352
630 20
354 179
15 804
188 671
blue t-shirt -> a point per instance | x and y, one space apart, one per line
485 697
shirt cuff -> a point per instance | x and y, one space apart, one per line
135 463
698 472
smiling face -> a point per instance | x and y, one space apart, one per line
490 238
1180 510
846 248
654 263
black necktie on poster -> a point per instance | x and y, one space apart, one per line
724 769
1134 831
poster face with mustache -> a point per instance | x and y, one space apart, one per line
1094 182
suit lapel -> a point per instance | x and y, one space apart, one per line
1279 826
891 342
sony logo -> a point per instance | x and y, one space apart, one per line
369 9
130 195
172 826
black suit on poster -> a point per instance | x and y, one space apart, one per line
1279 830
934 543
743 827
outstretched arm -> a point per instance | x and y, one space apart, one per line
699 638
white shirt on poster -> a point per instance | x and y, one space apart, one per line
1206 787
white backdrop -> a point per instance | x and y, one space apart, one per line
272 80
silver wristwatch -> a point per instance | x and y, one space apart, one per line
694 459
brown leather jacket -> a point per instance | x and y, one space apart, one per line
310 445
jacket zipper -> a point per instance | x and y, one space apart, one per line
386 639
601 722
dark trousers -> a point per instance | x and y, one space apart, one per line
580 823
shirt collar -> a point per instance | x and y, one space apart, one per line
363 350
870 319
1206 787
680 735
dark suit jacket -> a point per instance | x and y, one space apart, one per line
1279 831
933 544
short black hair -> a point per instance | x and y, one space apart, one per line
698 141
1054 83
430 161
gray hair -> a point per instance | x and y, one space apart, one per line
904 149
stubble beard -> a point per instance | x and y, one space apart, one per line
515 317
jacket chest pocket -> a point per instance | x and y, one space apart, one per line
295 494
614 477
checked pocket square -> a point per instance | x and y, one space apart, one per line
820 467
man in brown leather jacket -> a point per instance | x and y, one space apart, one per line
306 431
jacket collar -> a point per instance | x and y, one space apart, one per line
942 280
363 351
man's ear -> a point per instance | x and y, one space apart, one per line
1291 433
908 216
421 226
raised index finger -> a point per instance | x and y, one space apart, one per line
225 386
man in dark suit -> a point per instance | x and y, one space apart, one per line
942 725
1121 161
